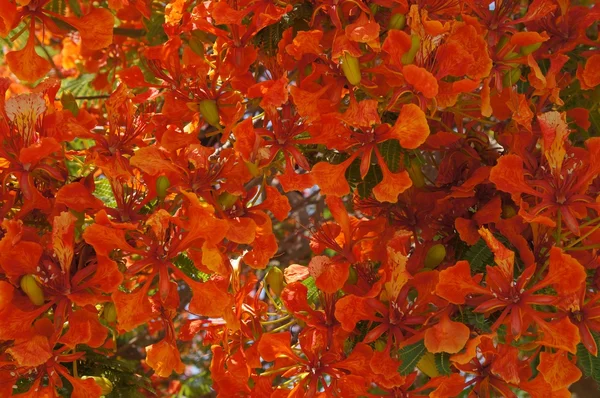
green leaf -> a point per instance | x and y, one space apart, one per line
313 292
442 363
186 265
410 356
391 150
589 363
479 255
105 193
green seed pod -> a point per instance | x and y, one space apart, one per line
511 77
69 103
351 68
409 56
109 313
209 111
226 200
526 50
105 385
416 174
397 21
274 279
32 289
435 255
352 277
162 184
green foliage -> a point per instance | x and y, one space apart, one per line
589 363
126 381
410 356
391 151
442 363
477 320
479 256
313 293
104 192
186 265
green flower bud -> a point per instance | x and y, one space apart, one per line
435 255
508 211
380 345
352 276
351 68
226 200
416 174
397 21
274 279
209 111
32 289
162 184
427 365
511 77
526 50
409 56
105 385
109 313
69 103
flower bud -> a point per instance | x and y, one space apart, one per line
511 77
196 43
105 385
351 68
209 111
526 50
397 21
352 277
508 211
380 345
226 200
416 174
69 103
409 56
274 279
435 255
162 184
32 289
427 365
109 313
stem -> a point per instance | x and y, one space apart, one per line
283 327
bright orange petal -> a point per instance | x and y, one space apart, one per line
164 358
411 128
422 80
558 370
329 275
446 336
26 64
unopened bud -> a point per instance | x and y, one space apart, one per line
209 111
162 184
427 365
105 385
32 289
226 200
69 103
109 313
351 68
435 255
526 50
274 279
352 277
409 56
397 21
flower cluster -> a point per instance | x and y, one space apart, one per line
299 198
